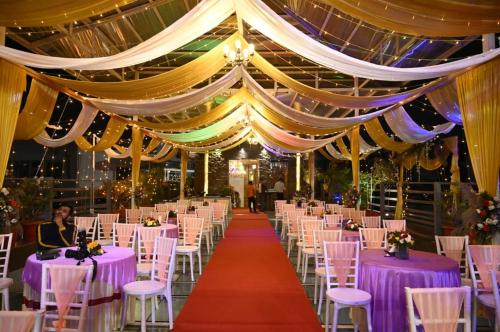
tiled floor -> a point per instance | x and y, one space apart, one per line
183 286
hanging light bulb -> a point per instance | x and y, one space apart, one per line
238 56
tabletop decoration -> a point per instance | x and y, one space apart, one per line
352 226
95 249
399 243
151 222
486 228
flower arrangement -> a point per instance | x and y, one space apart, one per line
399 239
485 229
151 222
172 214
94 248
352 226
8 205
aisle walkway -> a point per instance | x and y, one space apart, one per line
248 285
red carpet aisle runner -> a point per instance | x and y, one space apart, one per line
248 285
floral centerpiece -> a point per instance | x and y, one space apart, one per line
352 226
8 205
151 222
172 214
94 248
486 228
399 243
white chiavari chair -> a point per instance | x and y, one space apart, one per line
124 235
190 235
87 223
5 282
104 227
133 216
371 222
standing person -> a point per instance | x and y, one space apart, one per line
251 197
59 232
279 187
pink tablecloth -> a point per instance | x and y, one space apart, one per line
115 268
386 277
172 230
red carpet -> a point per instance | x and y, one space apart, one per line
248 285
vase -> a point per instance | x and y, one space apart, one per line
403 253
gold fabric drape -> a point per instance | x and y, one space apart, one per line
437 18
325 154
28 13
479 97
451 144
36 112
378 135
204 119
136 152
398 214
114 130
175 80
184 162
12 85
343 148
153 144
354 138
167 157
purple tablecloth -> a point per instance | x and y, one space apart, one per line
386 277
116 267
346 235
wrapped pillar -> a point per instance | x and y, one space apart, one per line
205 173
354 138
312 172
184 162
297 172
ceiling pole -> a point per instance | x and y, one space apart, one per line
355 143
312 172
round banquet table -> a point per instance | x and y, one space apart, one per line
170 229
386 277
346 235
115 268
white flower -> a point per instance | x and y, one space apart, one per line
402 241
5 191
480 226
13 221
10 208
478 211
494 222
489 221
491 207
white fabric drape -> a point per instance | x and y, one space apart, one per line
305 118
410 132
166 148
207 15
445 101
365 149
335 153
266 21
220 145
82 123
210 131
170 105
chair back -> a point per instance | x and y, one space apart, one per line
164 260
5 247
317 210
21 321
278 207
183 202
89 224
161 216
482 259
146 240
495 278
207 213
133 216
219 211
197 204
124 235
395 225
146 211
373 238
319 237
371 222
66 288
341 263
308 225
334 208
347 212
454 248
181 208
287 206
191 231
333 220
357 216
105 225
439 309
293 220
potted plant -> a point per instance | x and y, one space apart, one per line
35 195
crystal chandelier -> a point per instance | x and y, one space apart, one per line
238 56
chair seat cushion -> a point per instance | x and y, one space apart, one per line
144 269
487 299
6 283
144 287
186 249
349 296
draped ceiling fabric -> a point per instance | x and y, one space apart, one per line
379 136
479 97
163 106
36 112
82 123
201 19
409 131
28 13
437 18
12 85
173 81
445 102
114 130
265 20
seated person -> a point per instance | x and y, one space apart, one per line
57 233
